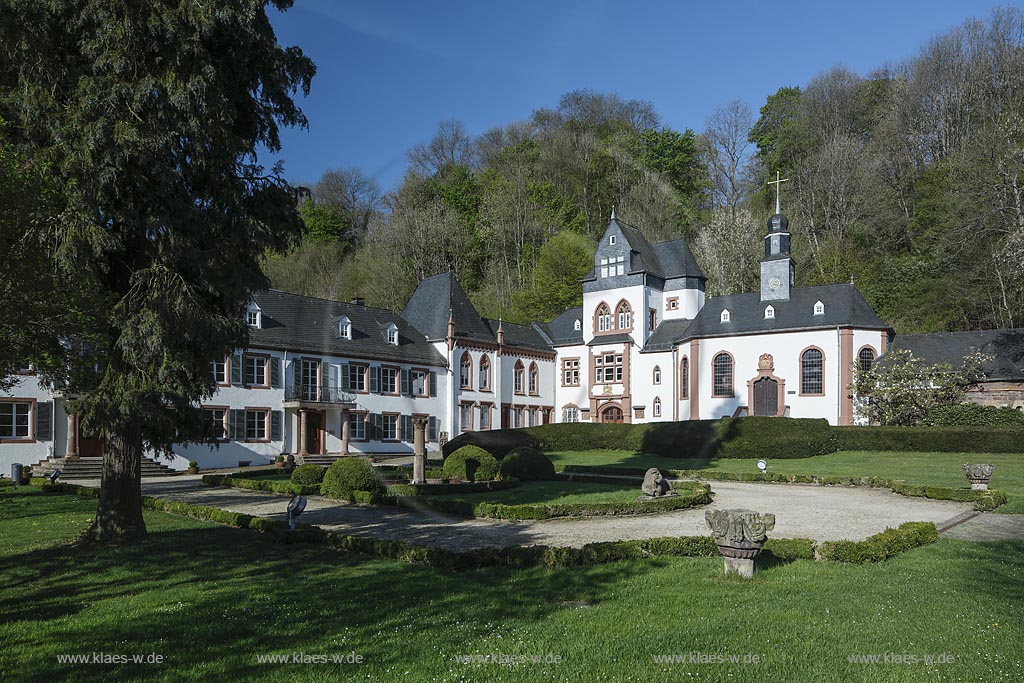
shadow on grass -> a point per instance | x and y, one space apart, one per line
211 598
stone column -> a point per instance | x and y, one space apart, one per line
303 441
345 415
419 450
739 535
72 442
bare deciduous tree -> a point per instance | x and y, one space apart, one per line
451 145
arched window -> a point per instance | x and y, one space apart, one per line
392 331
812 372
721 372
684 378
657 407
657 374
625 316
577 325
866 357
533 379
517 377
604 318
769 312
466 371
485 373
725 317
819 308
344 327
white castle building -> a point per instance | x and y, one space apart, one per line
328 378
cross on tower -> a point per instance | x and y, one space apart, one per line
778 190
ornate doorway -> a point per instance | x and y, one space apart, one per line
612 414
766 397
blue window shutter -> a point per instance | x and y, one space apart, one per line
406 428
374 379
406 383
432 429
44 421
275 373
433 384
236 370
375 427
325 378
276 418
345 380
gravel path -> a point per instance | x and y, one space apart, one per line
801 511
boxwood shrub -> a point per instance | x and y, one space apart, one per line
497 442
939 439
349 474
973 415
882 546
308 475
471 463
526 464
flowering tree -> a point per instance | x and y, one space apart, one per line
901 389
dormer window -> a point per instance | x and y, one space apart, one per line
344 328
769 313
578 325
611 240
253 316
393 334
819 308
725 316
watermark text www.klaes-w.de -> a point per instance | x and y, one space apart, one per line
505 659
901 658
312 658
111 658
707 658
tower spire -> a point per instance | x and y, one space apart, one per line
613 212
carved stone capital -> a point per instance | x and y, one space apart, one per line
979 475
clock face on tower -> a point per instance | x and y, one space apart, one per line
774 283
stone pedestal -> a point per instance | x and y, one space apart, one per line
419 450
739 535
979 475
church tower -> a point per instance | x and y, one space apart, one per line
777 268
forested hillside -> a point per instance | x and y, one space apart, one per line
909 179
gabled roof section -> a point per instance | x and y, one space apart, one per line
515 335
676 260
844 306
666 260
562 330
668 333
1005 346
300 323
430 304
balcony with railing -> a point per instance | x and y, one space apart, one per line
303 395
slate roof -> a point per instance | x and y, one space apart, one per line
667 334
666 260
516 335
430 304
1005 346
604 339
562 330
844 305
300 323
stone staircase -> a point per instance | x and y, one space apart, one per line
92 468
322 460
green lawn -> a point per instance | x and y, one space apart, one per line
210 599
558 493
935 469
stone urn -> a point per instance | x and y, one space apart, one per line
739 535
979 475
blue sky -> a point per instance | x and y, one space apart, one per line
390 70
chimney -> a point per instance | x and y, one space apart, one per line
358 301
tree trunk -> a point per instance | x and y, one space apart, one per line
119 516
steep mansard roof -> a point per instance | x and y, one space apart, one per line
665 260
1005 346
441 295
562 330
300 323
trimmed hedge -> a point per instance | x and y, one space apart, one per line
441 489
471 463
308 475
973 415
741 437
939 439
882 546
539 511
983 500
526 464
238 481
349 475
